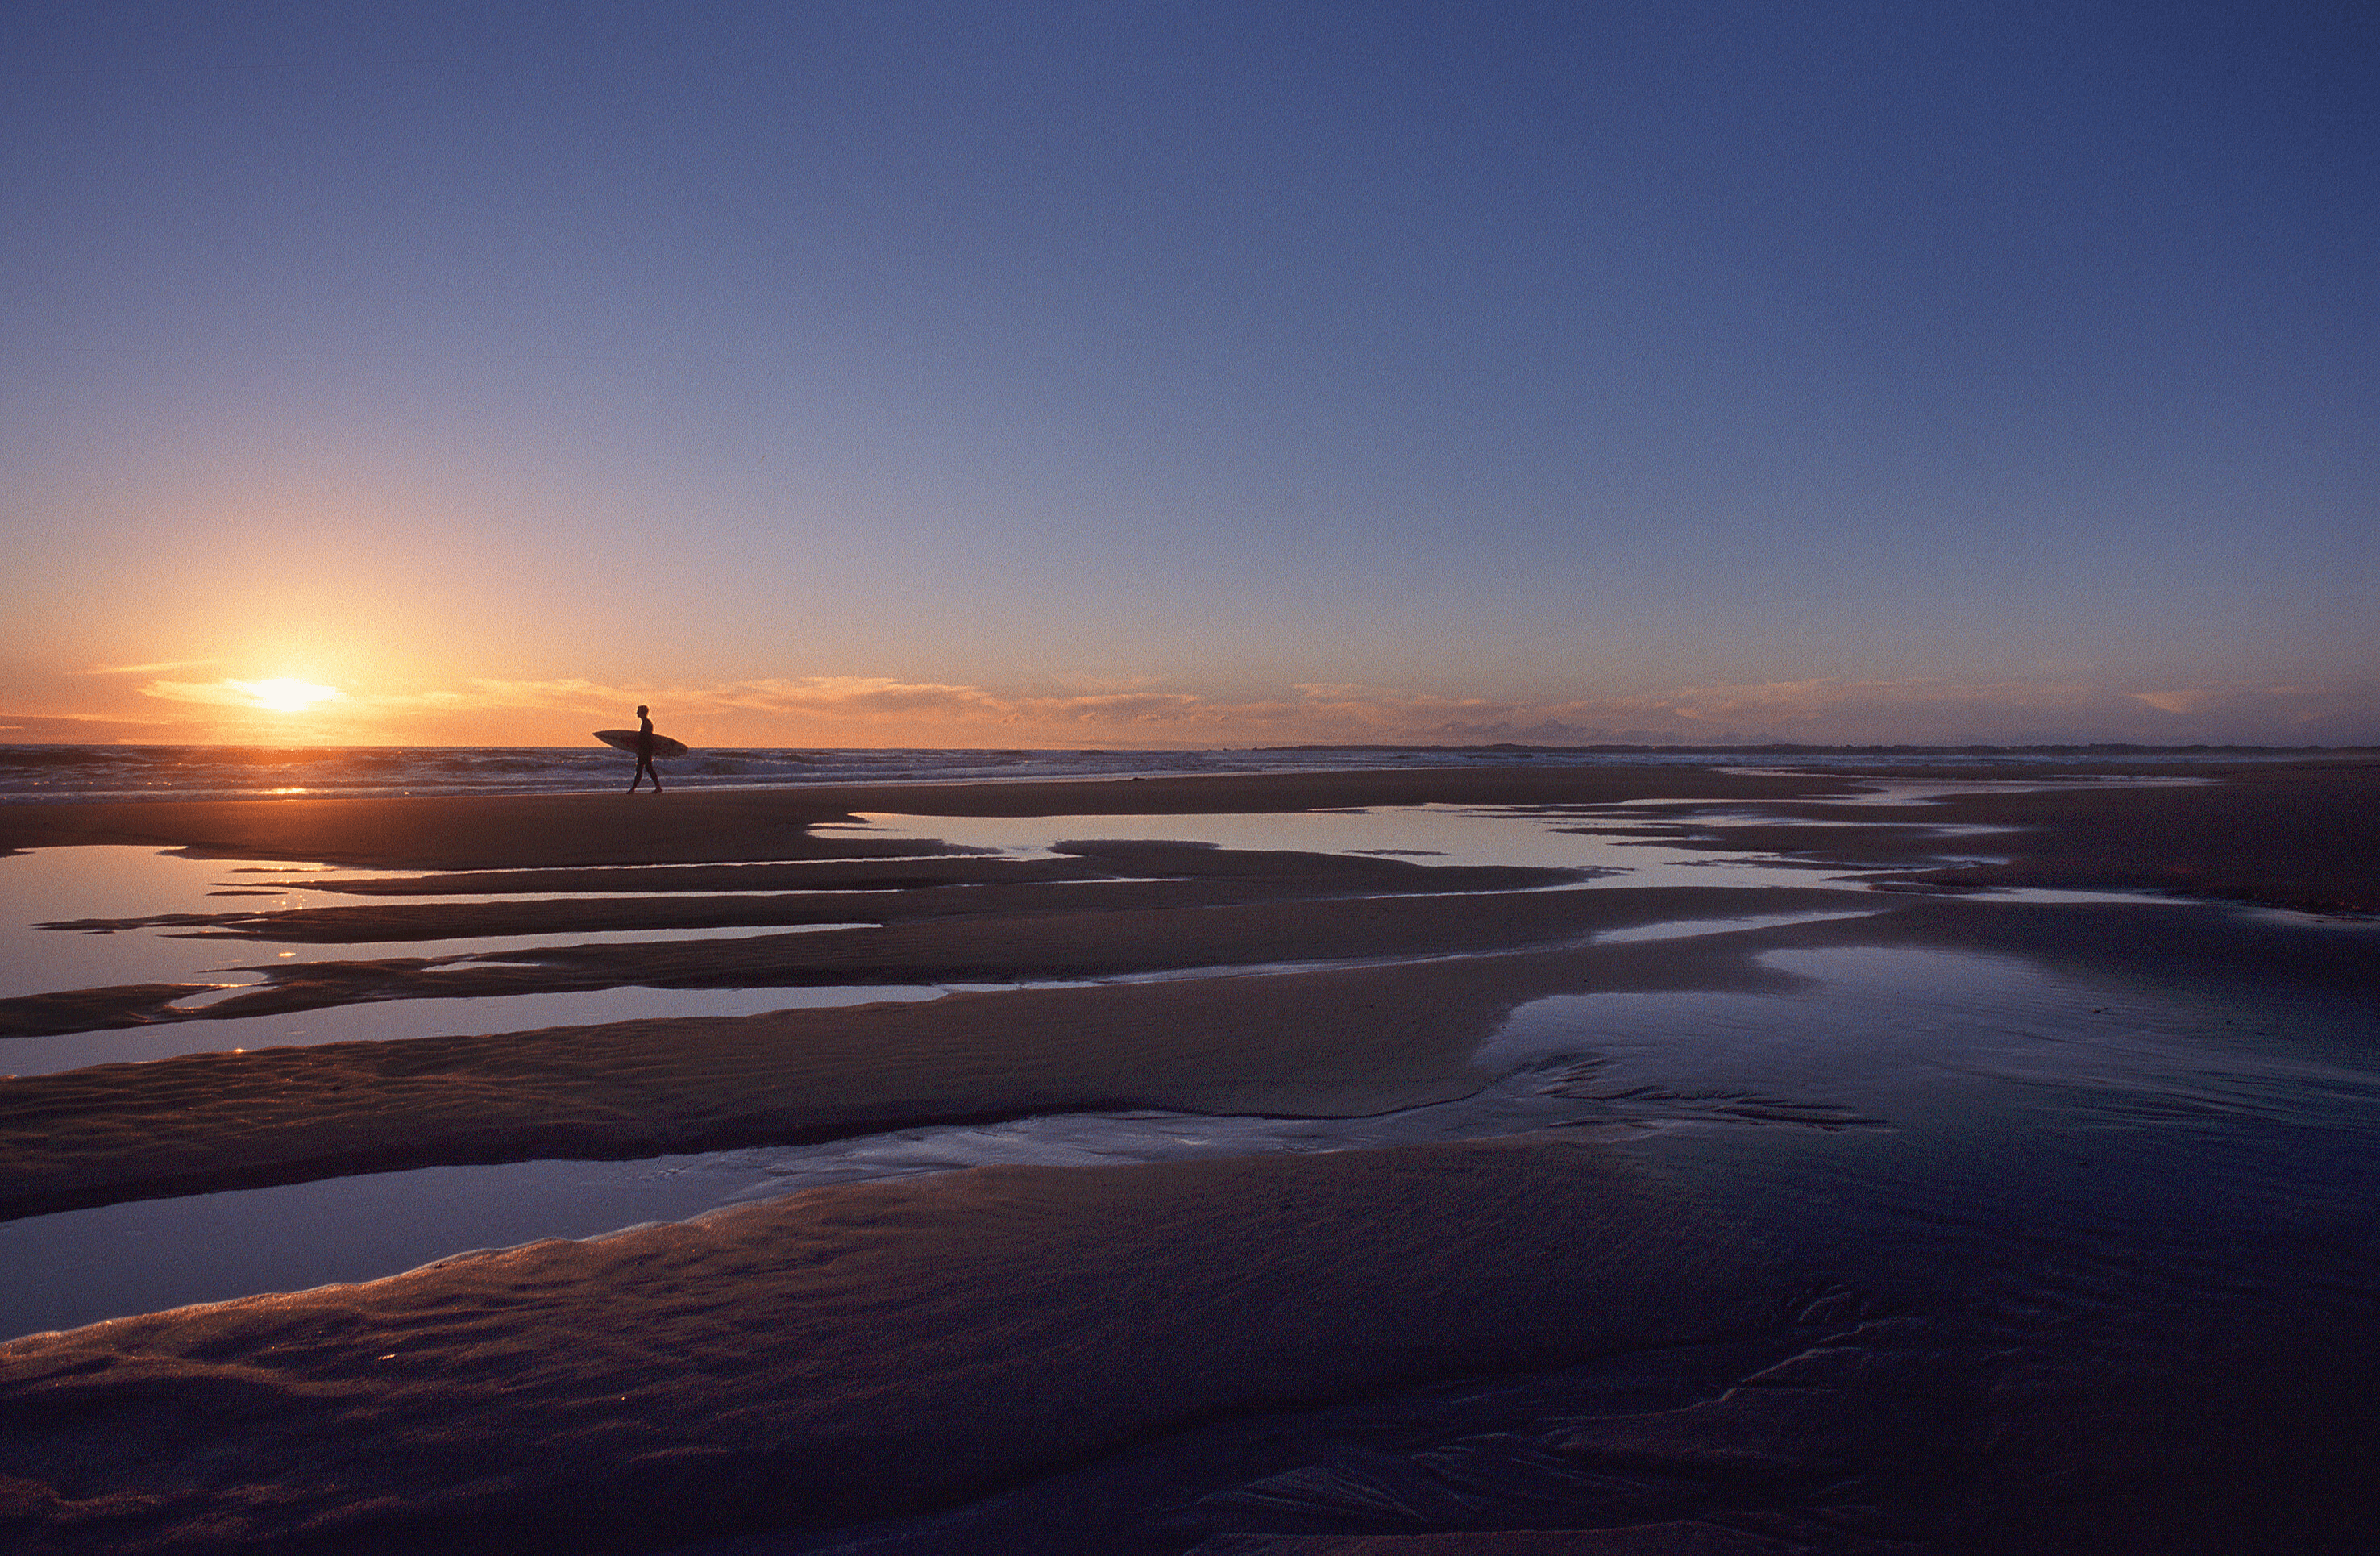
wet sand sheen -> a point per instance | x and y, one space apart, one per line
867 1349
1325 1043
861 1351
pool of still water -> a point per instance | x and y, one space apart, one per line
55 886
1897 1100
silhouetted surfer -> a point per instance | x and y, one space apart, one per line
645 752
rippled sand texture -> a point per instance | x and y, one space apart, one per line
882 1350
846 1351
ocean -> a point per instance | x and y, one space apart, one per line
126 772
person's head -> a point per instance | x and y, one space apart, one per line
642 710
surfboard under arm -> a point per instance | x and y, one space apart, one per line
626 740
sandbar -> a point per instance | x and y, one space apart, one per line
858 1352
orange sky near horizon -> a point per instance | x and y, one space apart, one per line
183 703
1222 375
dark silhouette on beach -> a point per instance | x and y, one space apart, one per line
645 752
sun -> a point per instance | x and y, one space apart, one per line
282 695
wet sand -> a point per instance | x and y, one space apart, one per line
861 1352
2304 832
1321 1044
843 1353
496 831
2303 835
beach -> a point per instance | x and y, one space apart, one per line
1860 1300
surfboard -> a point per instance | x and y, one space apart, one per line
626 740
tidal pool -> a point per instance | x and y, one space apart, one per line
1927 1087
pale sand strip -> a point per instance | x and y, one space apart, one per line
845 1352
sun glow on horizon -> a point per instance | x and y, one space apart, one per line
283 694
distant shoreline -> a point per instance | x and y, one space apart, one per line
1614 747
2286 832
150 773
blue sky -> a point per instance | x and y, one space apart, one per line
1201 374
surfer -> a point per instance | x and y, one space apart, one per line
645 752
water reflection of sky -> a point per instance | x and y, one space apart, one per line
120 882
1427 835
1886 1070
1885 1066
55 885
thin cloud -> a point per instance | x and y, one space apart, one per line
434 702
211 694
280 696
872 710
2284 705
82 729
158 668
487 693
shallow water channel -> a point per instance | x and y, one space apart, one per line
1894 1101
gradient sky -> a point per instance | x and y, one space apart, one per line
1190 375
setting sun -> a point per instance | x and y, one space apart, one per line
285 696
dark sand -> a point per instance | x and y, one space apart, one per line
840 1353
1321 1044
533 831
861 1352
2303 835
